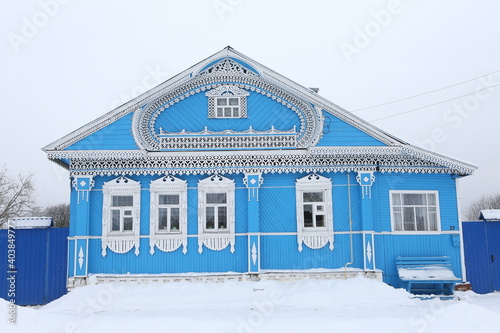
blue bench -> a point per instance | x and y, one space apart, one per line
427 275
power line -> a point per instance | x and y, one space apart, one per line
426 106
424 93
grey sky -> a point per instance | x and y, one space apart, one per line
65 63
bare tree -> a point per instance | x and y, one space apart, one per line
487 201
16 196
59 214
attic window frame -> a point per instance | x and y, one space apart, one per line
227 92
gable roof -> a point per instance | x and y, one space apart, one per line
184 76
268 75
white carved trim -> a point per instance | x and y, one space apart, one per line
314 238
121 242
216 240
164 241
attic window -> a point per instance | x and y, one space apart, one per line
227 101
227 107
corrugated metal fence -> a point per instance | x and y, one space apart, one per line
39 265
482 255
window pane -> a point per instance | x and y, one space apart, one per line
216 198
313 197
115 220
398 220
414 199
220 113
432 221
308 216
127 213
421 218
222 218
236 112
409 218
162 218
168 199
127 224
122 200
431 199
320 220
210 218
233 101
227 112
396 199
319 208
174 219
222 101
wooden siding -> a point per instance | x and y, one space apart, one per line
173 262
337 132
279 248
280 253
117 135
388 247
443 183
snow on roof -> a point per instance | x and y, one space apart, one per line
30 222
489 214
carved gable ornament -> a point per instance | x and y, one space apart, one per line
228 83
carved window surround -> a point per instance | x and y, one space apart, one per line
227 101
316 235
216 238
172 238
121 241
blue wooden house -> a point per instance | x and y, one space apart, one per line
231 170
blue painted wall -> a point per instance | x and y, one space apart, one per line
337 132
279 248
117 135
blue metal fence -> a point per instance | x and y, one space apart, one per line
482 255
38 264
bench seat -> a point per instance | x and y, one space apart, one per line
427 275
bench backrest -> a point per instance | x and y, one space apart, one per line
423 262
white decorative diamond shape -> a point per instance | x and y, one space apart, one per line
254 254
366 179
253 181
80 257
83 183
369 252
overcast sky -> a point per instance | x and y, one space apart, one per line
65 63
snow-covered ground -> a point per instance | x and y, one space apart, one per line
353 305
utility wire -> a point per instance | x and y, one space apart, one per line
424 93
426 106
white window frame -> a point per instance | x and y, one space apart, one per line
227 91
314 237
436 206
220 110
168 240
121 241
216 239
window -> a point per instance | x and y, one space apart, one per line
227 101
314 211
121 215
216 211
168 214
216 220
227 107
415 211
